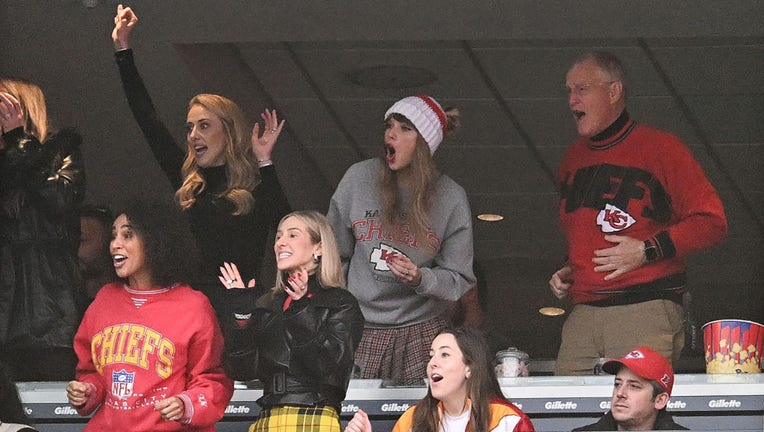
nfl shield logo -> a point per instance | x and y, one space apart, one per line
122 384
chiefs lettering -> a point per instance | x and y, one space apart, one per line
621 194
371 230
133 344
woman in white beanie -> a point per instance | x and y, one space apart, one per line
405 236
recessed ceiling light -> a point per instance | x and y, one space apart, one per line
490 217
552 311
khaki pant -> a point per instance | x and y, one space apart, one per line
592 332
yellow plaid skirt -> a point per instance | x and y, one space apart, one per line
297 419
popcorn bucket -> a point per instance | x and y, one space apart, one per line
733 346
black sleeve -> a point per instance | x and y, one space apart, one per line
241 356
274 193
161 141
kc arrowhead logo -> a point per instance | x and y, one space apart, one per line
612 219
380 255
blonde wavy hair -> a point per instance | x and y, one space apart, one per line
329 265
419 178
241 170
33 105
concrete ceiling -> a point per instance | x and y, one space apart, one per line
331 68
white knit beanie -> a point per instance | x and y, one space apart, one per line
426 114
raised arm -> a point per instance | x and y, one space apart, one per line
124 22
161 141
263 144
262 147
241 349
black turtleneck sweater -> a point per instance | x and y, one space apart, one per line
611 131
221 236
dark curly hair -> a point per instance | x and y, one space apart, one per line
170 250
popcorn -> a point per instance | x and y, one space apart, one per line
733 346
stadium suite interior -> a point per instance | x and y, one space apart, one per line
331 68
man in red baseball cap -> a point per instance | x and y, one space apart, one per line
643 383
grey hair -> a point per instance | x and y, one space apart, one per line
608 63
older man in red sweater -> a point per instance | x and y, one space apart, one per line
634 204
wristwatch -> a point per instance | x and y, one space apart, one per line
651 252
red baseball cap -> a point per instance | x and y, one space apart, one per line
646 363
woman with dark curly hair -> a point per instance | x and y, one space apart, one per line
149 346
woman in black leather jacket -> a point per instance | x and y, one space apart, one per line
42 184
298 339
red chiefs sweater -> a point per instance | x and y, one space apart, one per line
138 347
641 183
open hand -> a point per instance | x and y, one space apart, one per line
262 145
231 279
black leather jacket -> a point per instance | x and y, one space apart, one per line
664 421
304 355
41 189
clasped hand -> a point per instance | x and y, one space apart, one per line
404 269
